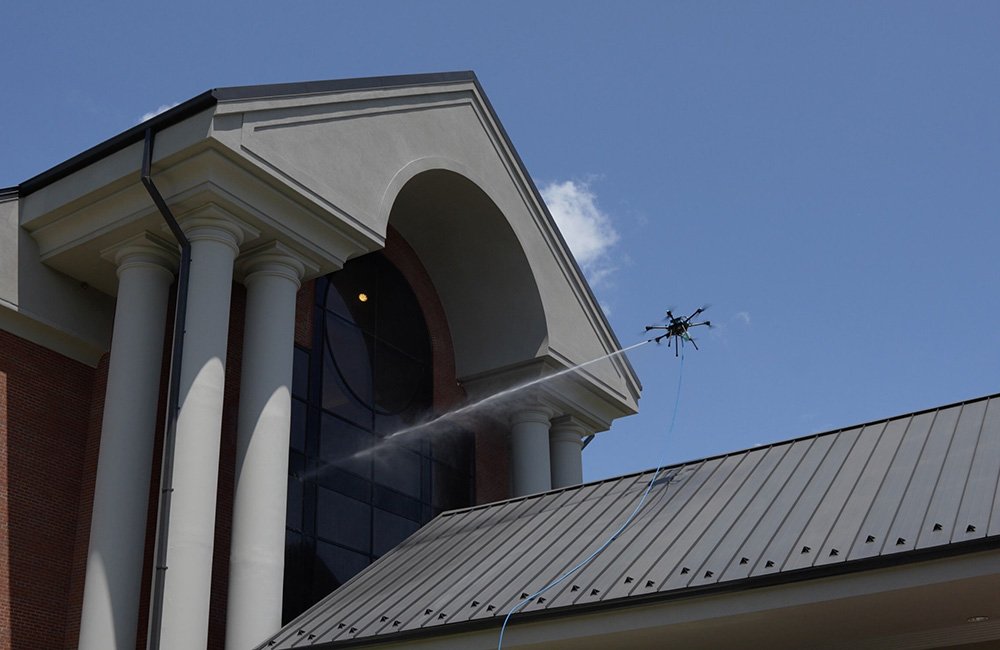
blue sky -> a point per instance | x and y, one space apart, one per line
826 176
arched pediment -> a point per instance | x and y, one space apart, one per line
324 168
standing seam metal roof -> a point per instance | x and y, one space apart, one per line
891 491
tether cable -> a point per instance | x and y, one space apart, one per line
621 529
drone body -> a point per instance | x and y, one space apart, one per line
676 329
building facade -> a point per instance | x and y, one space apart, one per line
224 332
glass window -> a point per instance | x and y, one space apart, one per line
354 292
300 373
390 530
296 593
335 566
397 467
394 502
298 432
343 520
353 495
347 372
346 446
294 511
401 383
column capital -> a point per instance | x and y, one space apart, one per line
211 222
142 250
537 413
276 259
569 425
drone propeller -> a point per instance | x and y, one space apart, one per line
675 328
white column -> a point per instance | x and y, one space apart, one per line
529 451
256 558
121 492
187 579
566 451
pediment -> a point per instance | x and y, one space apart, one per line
353 152
319 167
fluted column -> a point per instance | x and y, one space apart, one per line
187 578
566 451
529 451
121 491
256 558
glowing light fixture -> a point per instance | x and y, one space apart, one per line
362 297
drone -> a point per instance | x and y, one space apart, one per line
676 329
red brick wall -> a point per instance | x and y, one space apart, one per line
305 302
45 415
227 469
86 501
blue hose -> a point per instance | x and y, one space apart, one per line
621 529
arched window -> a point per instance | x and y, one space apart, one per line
353 494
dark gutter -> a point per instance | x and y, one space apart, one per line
8 192
173 393
117 143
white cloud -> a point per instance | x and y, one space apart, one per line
164 107
588 230
743 316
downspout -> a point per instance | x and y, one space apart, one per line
173 396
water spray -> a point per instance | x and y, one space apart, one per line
496 397
456 415
676 330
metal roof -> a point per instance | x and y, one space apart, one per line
886 492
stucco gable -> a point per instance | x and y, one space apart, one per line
320 166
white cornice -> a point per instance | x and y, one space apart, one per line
210 178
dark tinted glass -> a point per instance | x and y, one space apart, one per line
390 530
347 367
294 508
339 564
297 437
353 495
354 292
396 503
399 468
401 383
343 520
296 596
346 446
300 373
400 319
